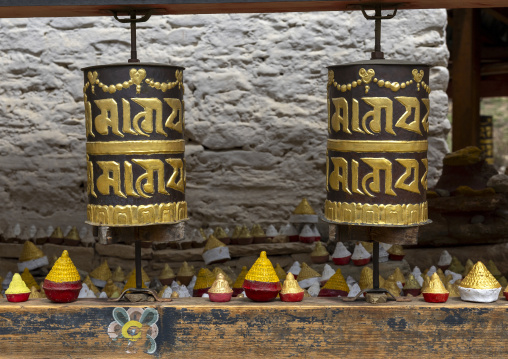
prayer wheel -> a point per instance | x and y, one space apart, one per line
486 140
378 122
135 144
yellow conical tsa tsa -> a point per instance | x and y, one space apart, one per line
262 283
63 282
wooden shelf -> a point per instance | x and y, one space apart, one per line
314 328
71 8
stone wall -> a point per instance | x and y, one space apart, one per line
255 105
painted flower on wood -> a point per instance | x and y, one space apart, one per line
135 328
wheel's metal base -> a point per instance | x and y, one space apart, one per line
377 296
139 295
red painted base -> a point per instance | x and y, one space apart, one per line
292 297
185 280
413 292
237 291
319 259
261 291
55 240
225 240
332 293
435 297
506 295
65 292
341 261
361 262
395 257
199 292
167 281
16 298
220 297
294 238
245 241
258 240
305 239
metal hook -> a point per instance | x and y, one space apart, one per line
378 16
132 20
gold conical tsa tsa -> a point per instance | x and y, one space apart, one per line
220 290
291 291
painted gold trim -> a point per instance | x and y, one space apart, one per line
374 214
118 216
135 147
366 78
377 146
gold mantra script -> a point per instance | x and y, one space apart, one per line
143 123
109 182
136 215
338 179
370 123
382 214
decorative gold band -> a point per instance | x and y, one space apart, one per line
374 214
118 216
135 147
377 146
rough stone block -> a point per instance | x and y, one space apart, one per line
10 250
123 251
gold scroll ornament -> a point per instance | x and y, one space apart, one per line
376 214
367 76
137 215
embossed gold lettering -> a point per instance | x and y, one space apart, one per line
424 177
339 175
409 103
176 109
108 117
378 165
178 172
411 168
378 104
129 180
340 117
425 119
150 105
89 174
88 117
110 177
150 166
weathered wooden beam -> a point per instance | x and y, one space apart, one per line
72 8
314 328
466 78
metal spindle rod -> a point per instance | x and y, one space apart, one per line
137 250
377 30
375 265
134 51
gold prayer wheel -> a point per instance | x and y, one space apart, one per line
378 124
486 139
135 145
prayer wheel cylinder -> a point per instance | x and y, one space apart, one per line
486 139
135 144
378 122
